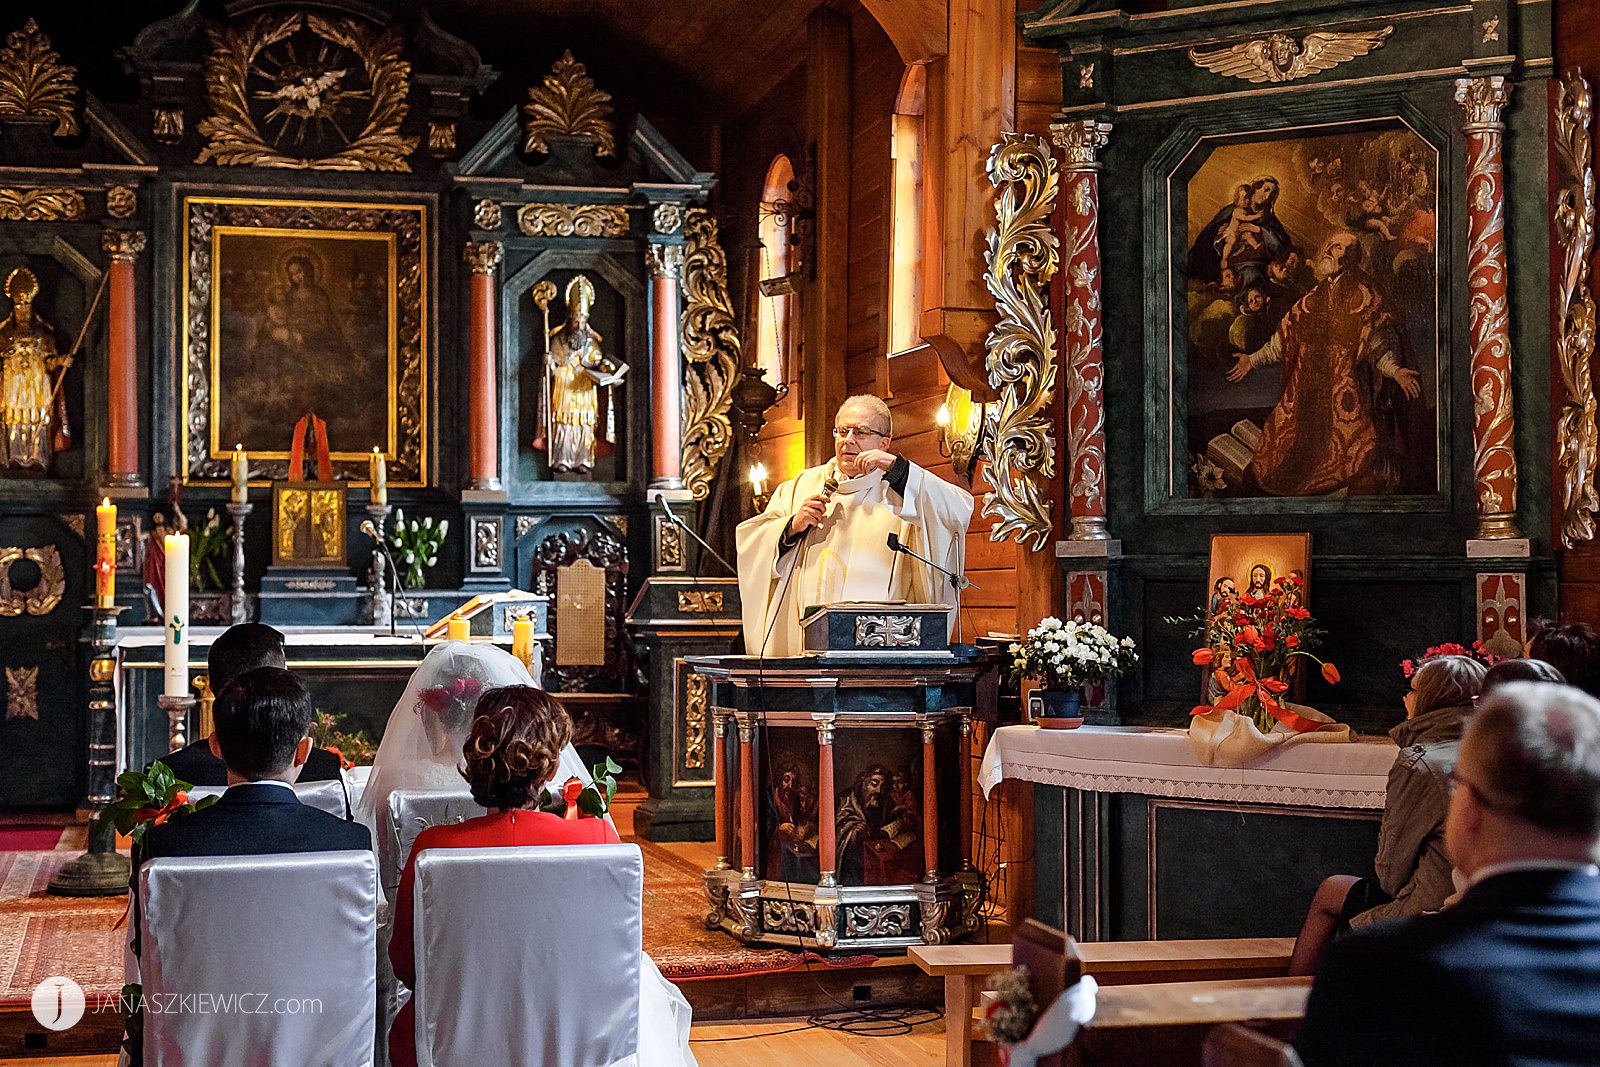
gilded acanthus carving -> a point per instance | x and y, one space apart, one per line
486 214
1577 438
34 81
573 220
700 601
696 698
1021 259
122 244
40 205
166 124
45 594
1483 99
483 256
485 541
667 218
877 920
711 349
121 201
300 101
22 693
664 259
567 104
1280 58
441 139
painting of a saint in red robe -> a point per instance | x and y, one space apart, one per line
1312 314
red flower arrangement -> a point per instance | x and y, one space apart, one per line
438 698
1251 645
1450 648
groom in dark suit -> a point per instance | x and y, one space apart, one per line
1510 973
239 649
262 717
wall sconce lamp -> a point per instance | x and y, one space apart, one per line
962 423
758 485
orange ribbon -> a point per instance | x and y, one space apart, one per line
1265 690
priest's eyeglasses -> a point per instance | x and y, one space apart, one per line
844 433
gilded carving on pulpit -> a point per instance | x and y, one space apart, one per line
32 366
34 81
577 370
1309 338
567 104
711 352
289 302
308 525
1280 58
304 91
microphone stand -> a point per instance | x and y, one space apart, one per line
374 531
677 520
958 582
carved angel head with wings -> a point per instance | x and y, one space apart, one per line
1280 58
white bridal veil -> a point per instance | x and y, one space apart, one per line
421 746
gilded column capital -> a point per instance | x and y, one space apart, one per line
665 260
1080 142
122 245
1483 98
483 256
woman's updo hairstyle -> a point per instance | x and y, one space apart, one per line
514 746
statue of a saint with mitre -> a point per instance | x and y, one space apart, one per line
576 370
29 357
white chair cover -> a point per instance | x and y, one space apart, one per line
290 938
529 955
328 795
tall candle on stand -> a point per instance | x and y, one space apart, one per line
239 470
175 599
105 554
378 475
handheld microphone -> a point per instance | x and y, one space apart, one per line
661 498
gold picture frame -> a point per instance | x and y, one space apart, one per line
290 307
308 524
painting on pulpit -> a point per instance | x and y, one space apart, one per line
290 303
1310 340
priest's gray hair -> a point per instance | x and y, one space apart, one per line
873 405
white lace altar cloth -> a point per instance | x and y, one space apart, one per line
1158 761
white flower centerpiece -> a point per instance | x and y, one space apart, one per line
417 544
1064 657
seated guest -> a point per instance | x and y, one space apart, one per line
1511 973
262 717
1519 670
1571 648
241 648
512 751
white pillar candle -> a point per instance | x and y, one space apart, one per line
239 475
175 600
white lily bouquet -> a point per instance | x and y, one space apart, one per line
417 544
1069 655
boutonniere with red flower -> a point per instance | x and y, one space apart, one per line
149 798
1011 1013
577 801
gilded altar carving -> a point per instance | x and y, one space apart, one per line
302 101
888 631
573 220
1279 58
482 257
1577 438
576 368
711 353
40 205
664 260
667 218
877 920
33 424
486 214
441 139
122 244
700 601
166 124
669 545
485 542
696 699
121 201
45 594
525 523
1021 259
34 81
22 693
788 917
567 104
130 538
73 521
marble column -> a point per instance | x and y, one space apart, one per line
483 409
666 367
1494 458
1080 142
122 347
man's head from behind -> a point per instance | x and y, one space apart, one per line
243 648
1527 784
862 423
262 717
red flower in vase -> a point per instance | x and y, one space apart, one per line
1331 673
1203 656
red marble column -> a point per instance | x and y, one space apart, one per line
930 802
122 376
1494 458
1080 143
719 778
827 843
747 801
483 406
666 368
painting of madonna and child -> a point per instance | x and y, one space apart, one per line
1312 318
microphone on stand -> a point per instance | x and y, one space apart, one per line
661 498
371 531
957 581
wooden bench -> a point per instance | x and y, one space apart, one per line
1167 1022
964 969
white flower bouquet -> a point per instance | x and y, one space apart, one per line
417 544
1069 655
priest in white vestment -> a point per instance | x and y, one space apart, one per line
813 547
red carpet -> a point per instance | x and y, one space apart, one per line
41 935
29 837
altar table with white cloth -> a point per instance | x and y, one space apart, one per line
1135 838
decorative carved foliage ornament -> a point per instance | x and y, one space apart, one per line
45 595
696 699
1280 58
573 220
1577 439
121 201
1021 259
22 693
40 205
567 104
711 349
300 97
34 81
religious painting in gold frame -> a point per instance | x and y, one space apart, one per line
293 307
308 524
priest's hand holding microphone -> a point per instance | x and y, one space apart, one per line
851 464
